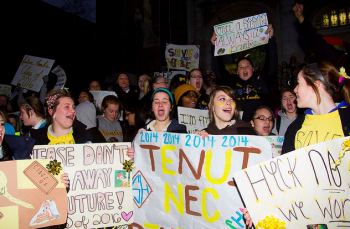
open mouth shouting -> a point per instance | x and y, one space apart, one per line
71 117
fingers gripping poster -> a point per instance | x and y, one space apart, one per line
30 197
184 181
301 189
239 35
100 192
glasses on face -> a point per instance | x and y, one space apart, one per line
263 118
127 114
196 77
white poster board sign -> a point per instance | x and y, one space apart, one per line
31 71
99 96
61 78
182 57
184 181
193 119
100 192
5 90
169 75
302 188
239 35
276 144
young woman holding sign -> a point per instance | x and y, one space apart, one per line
320 85
161 115
223 114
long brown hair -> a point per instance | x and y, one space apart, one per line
331 81
228 91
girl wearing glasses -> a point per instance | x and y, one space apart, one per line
195 79
161 116
263 120
320 86
223 114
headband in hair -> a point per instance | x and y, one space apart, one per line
50 100
317 72
27 104
343 75
163 90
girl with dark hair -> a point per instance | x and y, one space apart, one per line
288 112
176 81
32 113
223 114
108 123
195 78
62 128
186 96
263 120
134 114
124 90
85 95
319 87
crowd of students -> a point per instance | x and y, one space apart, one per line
317 89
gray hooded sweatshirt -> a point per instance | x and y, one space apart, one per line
285 122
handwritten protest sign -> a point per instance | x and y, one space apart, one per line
100 190
239 35
30 197
300 188
61 78
169 75
100 95
31 71
194 119
183 57
276 144
5 90
184 181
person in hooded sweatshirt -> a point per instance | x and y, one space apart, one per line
108 123
223 114
288 112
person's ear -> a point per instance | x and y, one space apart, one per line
251 122
50 112
31 113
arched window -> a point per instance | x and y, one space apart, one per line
334 18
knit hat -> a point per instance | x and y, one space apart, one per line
182 89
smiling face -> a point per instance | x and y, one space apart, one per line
262 127
306 96
111 112
95 86
189 100
288 102
223 108
2 129
123 81
83 96
161 106
245 69
196 79
141 82
64 115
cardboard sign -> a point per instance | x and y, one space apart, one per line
30 197
31 71
182 57
169 75
302 189
61 78
5 90
100 190
239 35
193 119
184 181
100 95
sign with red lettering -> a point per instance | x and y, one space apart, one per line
100 192
184 181
183 57
31 72
301 189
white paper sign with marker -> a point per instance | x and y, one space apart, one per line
100 95
170 75
5 90
184 181
302 189
31 71
239 35
100 192
182 57
61 78
194 119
